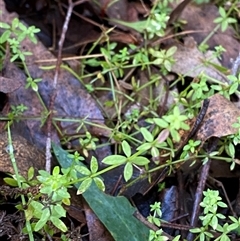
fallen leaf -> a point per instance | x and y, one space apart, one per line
8 85
220 116
201 17
189 61
25 154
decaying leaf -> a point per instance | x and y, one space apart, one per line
26 155
189 61
201 17
8 85
221 115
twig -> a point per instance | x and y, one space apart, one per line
199 191
149 225
55 80
236 65
198 197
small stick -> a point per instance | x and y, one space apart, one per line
199 191
55 80
236 64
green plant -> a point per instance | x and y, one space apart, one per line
160 135
16 112
212 220
155 218
224 20
15 34
89 176
173 122
88 143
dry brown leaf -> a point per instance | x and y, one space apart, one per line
190 61
221 115
201 17
26 155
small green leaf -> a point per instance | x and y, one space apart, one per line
155 152
94 165
59 210
157 61
84 186
56 171
34 86
46 190
58 223
5 36
10 181
63 193
177 238
140 161
114 160
99 182
233 88
167 64
128 171
4 25
15 23
171 51
83 170
30 173
126 148
43 220
175 135
146 134
222 12
144 147
160 122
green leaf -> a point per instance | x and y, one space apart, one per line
58 223
30 173
139 26
4 25
10 181
167 64
222 12
146 134
126 148
94 165
46 190
114 160
43 220
233 88
56 171
171 51
177 238
128 171
59 210
140 161
5 36
157 61
144 147
160 122
15 23
99 182
84 185
83 170
115 213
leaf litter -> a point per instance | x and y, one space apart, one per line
73 101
